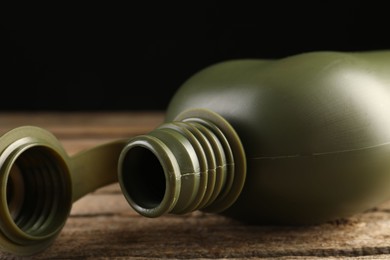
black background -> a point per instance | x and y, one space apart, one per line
134 56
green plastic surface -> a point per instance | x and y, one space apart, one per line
39 183
315 128
183 166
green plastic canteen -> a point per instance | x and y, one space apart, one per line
40 182
298 140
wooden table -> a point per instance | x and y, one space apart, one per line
103 226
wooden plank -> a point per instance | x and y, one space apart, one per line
85 124
102 225
83 130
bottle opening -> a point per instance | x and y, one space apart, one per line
144 180
181 166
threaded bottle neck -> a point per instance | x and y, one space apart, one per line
195 162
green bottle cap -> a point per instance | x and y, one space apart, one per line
39 182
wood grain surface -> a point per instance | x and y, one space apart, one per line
103 226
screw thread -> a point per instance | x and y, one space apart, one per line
192 163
